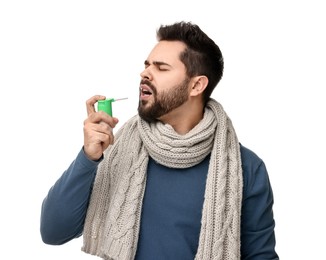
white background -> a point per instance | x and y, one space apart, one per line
56 54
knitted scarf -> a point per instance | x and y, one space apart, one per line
113 218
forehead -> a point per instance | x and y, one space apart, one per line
167 51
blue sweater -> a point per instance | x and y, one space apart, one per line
171 213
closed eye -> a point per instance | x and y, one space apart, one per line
162 68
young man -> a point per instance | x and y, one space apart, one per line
174 182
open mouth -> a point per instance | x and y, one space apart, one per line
145 91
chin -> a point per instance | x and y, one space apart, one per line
147 117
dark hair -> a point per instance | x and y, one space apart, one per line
202 55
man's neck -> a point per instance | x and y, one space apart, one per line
184 118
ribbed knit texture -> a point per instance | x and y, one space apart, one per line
113 218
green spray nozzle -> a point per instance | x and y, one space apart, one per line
106 105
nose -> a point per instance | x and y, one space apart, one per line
146 74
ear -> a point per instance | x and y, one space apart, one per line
199 84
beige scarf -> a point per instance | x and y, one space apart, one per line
113 218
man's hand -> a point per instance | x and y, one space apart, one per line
98 134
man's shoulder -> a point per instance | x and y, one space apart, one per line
254 170
252 164
249 157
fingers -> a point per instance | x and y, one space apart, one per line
97 137
91 102
102 117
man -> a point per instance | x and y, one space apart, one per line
174 182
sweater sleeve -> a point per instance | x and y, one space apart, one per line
64 208
257 222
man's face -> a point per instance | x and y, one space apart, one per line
164 84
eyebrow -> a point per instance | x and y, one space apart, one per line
157 63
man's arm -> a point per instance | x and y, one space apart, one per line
257 222
64 208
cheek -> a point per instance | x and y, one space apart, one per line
165 82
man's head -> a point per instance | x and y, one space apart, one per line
183 58
201 55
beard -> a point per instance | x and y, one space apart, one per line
164 102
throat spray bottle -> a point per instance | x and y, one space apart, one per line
106 105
